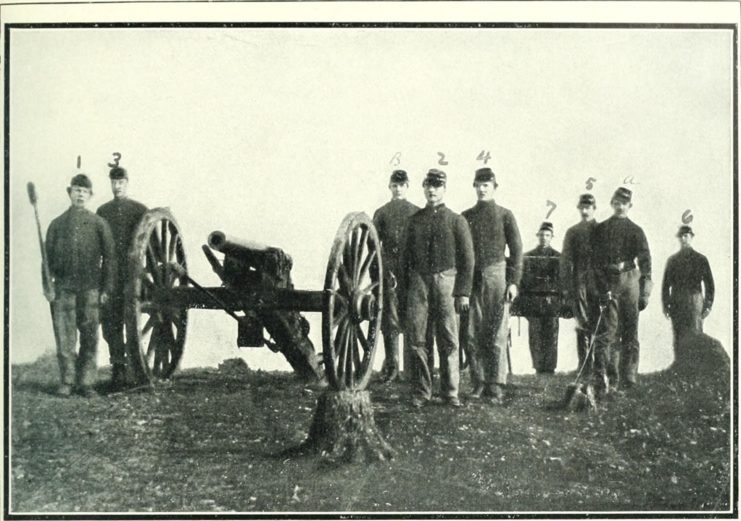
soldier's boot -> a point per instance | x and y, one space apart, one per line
601 385
390 370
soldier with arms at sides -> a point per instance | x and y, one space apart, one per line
123 216
687 271
436 268
495 283
543 331
79 247
577 277
622 265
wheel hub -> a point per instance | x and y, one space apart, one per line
363 305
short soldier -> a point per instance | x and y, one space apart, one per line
122 215
495 285
79 247
622 264
577 276
681 291
543 331
390 221
437 268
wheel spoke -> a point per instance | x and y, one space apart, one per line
351 347
366 264
363 340
356 352
341 343
153 264
149 324
345 280
371 287
163 244
174 240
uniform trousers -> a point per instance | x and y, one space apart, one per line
488 327
616 346
112 320
73 311
431 296
585 306
543 340
686 313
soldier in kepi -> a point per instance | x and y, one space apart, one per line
495 283
543 331
622 265
577 277
390 221
79 247
681 291
122 215
436 269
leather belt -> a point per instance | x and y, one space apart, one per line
621 267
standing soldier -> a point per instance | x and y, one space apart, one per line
494 286
437 268
577 277
79 247
622 264
543 330
390 221
681 291
122 215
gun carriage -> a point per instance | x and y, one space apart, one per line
257 291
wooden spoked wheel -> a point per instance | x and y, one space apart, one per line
353 302
156 331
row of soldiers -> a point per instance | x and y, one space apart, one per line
439 265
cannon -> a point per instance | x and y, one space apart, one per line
256 290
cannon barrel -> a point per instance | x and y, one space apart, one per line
227 244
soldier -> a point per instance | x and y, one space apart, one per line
543 331
79 247
437 268
577 278
493 228
122 215
681 291
390 221
622 265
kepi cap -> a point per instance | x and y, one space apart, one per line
81 180
586 200
435 177
485 175
623 194
685 229
546 226
118 172
399 176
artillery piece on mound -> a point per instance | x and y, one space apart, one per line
256 290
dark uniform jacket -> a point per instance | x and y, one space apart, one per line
390 221
685 271
576 259
619 245
80 250
438 239
493 227
123 216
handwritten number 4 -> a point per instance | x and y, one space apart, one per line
484 156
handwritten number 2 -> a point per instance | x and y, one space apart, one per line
442 159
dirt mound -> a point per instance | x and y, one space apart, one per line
702 356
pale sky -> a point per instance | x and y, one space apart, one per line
275 134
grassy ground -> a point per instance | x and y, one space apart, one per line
212 440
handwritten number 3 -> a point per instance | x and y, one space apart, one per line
116 159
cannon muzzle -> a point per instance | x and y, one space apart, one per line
227 244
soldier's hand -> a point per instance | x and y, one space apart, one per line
705 313
642 303
666 313
104 298
511 292
461 304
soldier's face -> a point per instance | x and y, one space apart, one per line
119 187
620 207
586 211
484 190
544 238
79 196
398 190
685 240
434 194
